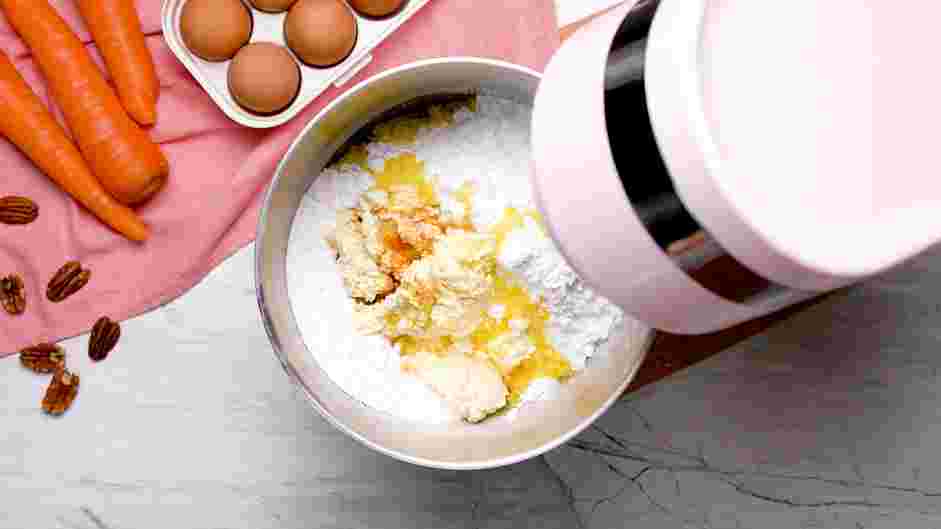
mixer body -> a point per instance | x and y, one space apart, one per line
649 194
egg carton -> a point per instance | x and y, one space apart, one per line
269 27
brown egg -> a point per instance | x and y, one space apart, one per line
264 78
377 8
272 6
215 29
321 32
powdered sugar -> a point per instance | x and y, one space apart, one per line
489 148
581 321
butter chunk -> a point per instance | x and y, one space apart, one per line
452 285
369 319
471 387
509 350
418 228
361 275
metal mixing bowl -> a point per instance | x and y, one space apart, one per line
539 426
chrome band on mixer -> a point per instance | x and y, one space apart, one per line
709 265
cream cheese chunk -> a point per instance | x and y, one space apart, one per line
471 387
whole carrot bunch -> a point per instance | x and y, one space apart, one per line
113 163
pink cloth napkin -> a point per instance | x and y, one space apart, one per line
219 171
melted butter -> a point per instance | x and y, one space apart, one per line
465 195
392 320
404 130
537 217
410 345
512 219
406 170
545 361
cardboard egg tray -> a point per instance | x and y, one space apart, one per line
269 27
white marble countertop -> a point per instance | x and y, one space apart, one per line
829 420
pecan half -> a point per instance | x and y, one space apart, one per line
104 336
12 294
43 358
61 392
67 281
18 210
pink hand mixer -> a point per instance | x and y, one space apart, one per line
794 139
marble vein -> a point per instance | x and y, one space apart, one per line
701 465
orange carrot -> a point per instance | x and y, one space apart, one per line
117 31
121 155
26 122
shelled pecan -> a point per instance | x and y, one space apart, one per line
61 392
43 358
17 210
67 281
104 336
12 294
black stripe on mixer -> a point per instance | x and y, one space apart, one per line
648 183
